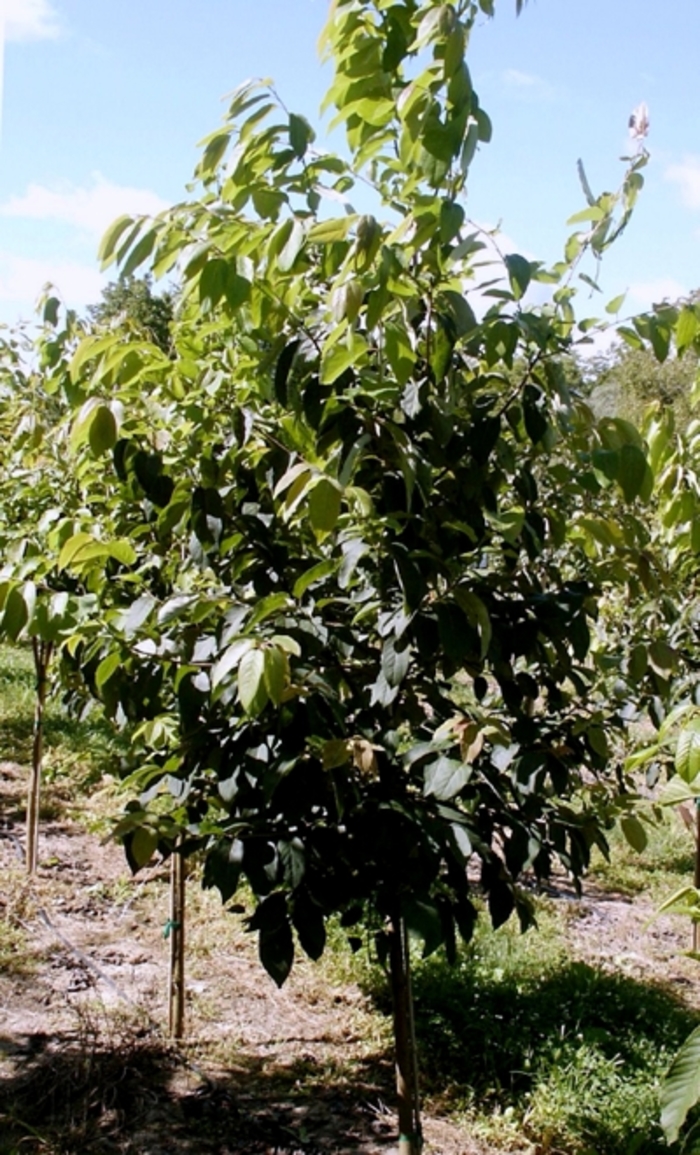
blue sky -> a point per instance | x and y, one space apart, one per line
104 103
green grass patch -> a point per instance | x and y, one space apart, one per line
666 863
84 747
519 1039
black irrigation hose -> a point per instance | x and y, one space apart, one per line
153 1026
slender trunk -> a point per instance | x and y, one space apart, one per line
42 657
696 880
176 981
410 1136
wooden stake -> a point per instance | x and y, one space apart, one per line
410 1135
42 657
176 927
696 879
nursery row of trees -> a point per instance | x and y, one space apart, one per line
373 590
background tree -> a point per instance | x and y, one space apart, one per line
130 301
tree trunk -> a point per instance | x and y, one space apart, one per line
410 1136
176 926
42 657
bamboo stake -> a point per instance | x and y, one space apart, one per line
176 934
410 1135
42 657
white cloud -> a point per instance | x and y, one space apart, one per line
30 20
89 209
23 278
687 175
526 84
647 293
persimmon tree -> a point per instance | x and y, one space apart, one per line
371 527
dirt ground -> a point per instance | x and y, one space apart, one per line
83 1047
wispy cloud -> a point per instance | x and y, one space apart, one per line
30 20
526 85
89 209
23 278
687 176
646 293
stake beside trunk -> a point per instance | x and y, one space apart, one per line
410 1134
42 657
176 927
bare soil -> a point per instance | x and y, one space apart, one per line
85 1063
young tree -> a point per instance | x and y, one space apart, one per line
371 526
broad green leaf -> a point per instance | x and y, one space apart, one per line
142 846
292 247
16 614
229 660
677 790
616 304
686 328
268 606
276 673
634 833
324 505
445 777
634 473
72 546
519 274
315 573
102 430
122 551
106 668
336 752
339 356
687 760
252 688
336 229
108 244
301 134
594 213
680 1088
399 352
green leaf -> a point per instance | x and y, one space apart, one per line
634 833
276 673
687 760
519 274
680 1088
399 352
142 846
252 687
423 921
315 573
301 134
634 472
108 244
594 213
451 220
616 304
686 328
16 615
340 356
107 667
102 432
445 777
324 505
292 247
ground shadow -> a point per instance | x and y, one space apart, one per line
493 1039
123 1096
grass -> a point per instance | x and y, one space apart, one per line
665 865
520 1039
80 748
